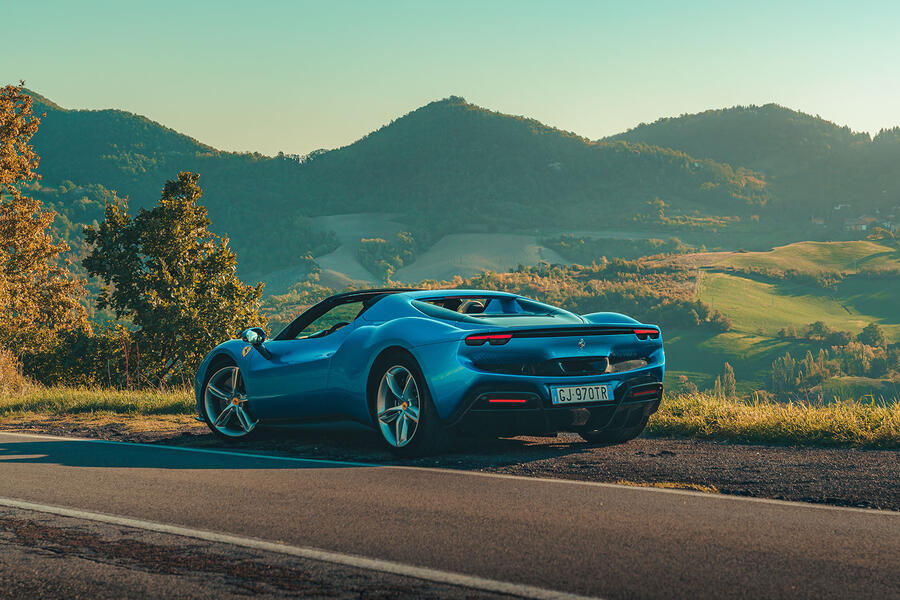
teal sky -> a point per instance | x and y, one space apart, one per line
296 76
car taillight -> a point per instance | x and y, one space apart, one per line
643 334
507 400
494 339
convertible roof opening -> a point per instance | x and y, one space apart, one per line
484 306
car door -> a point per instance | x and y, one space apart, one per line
291 383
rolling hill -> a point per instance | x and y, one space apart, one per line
448 167
745 176
864 286
812 164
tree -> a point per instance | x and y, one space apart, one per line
172 277
838 338
784 380
872 335
729 384
818 331
39 297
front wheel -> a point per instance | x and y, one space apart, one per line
403 410
225 405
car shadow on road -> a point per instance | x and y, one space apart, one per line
348 442
100 454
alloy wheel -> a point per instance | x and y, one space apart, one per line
398 405
225 401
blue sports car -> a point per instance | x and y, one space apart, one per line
416 365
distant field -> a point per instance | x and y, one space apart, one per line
463 254
764 308
341 267
467 254
759 309
819 257
701 355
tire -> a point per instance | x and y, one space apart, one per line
402 410
614 436
224 391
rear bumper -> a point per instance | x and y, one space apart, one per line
633 400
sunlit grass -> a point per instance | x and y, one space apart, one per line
672 485
818 257
68 401
864 424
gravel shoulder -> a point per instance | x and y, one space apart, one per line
843 477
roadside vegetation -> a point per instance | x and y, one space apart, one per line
36 400
866 423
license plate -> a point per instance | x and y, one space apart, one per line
581 393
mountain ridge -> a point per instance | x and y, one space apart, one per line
448 166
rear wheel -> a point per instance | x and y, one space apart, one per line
614 436
407 420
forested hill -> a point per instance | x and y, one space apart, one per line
446 166
811 163
85 154
467 166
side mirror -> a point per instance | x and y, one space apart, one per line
253 336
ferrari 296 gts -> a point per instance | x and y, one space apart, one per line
418 365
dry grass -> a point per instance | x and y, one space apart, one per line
73 401
848 423
672 485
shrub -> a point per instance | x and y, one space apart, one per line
11 379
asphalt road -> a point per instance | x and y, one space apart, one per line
577 537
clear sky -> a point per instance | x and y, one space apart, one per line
295 76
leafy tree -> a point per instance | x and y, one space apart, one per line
818 331
172 277
838 338
39 297
872 335
784 380
856 358
729 384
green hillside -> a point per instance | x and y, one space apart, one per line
451 168
812 164
770 138
765 308
454 164
821 257
447 167
761 307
